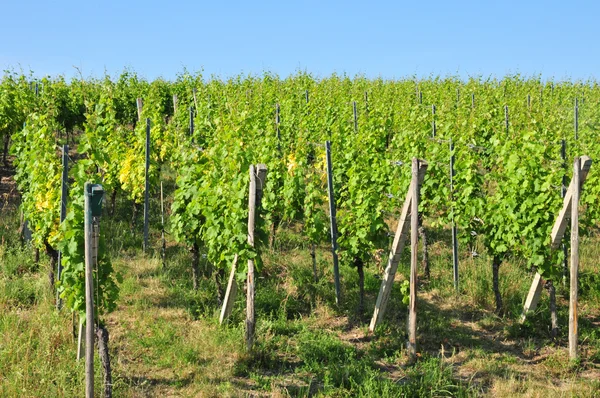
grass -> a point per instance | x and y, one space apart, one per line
165 339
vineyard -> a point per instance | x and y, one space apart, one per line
245 233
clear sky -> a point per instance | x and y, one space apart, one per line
391 39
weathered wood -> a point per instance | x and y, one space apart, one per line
103 336
250 281
147 186
576 118
174 104
63 212
89 296
80 341
560 224
454 232
194 90
414 242
533 297
140 104
230 293
558 231
257 180
573 329
163 248
396 250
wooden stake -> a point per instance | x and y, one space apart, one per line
396 250
163 250
230 293
454 232
250 287
147 185
194 90
506 118
576 121
140 104
174 104
80 341
558 231
257 180
414 241
63 211
573 332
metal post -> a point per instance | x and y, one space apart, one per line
63 211
333 223
454 237
147 185
277 122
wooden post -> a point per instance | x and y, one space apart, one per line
306 95
163 251
454 234
333 224
563 192
414 242
420 97
174 104
355 116
89 295
457 96
529 102
147 185
257 180
473 101
230 293
396 250
250 283
433 127
194 90
558 232
140 104
573 332
64 194
576 118
506 118
80 341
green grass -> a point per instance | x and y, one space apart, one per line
165 339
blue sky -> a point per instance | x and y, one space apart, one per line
391 39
